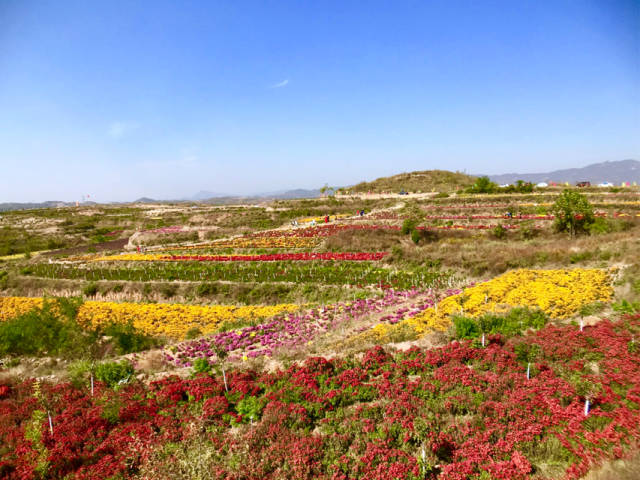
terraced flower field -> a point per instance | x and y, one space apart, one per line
431 338
170 320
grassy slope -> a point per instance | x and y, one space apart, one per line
424 181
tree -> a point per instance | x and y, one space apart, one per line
483 185
573 212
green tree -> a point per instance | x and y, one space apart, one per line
573 212
483 185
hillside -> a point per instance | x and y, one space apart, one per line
613 172
422 181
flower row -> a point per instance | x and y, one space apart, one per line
172 229
301 328
323 272
270 257
251 242
558 293
158 319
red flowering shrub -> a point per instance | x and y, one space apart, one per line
455 412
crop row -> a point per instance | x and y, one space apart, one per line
251 242
325 272
558 293
270 257
453 413
157 319
300 328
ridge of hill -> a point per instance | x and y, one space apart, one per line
613 172
420 181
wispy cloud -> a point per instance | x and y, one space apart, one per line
122 129
281 84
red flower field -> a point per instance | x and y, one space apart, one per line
457 412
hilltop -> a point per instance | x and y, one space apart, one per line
421 181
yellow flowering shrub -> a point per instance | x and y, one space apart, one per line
13 306
251 242
166 319
558 293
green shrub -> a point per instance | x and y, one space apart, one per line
250 407
408 226
441 195
465 327
206 289
513 323
626 307
169 290
90 289
44 332
127 339
600 225
482 185
527 352
201 365
114 373
192 333
499 232
416 235
117 288
580 257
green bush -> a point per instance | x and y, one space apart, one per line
192 333
416 235
250 407
408 226
201 365
513 323
114 373
482 185
90 289
43 331
169 290
499 232
573 213
127 339
626 307
206 289
466 327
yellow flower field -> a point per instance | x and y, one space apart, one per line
251 242
559 293
171 320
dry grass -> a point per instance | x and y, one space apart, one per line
363 241
622 469
479 255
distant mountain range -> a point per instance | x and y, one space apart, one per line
212 197
614 172
5 207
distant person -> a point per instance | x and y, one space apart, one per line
326 219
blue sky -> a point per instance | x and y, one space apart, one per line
123 99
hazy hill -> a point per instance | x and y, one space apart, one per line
614 172
5 207
423 181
